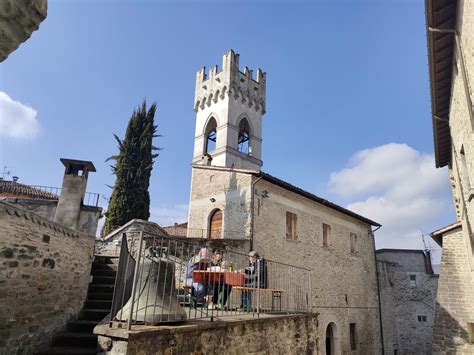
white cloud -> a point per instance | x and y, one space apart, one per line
167 216
400 188
16 119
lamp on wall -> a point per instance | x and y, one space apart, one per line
213 199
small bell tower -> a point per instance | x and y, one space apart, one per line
229 106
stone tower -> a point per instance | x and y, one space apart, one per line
229 106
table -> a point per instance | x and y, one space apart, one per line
231 278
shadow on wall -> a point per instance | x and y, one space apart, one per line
235 206
448 334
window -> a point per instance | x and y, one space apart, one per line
465 170
243 142
210 136
412 280
215 224
353 238
422 319
470 332
291 220
326 235
352 330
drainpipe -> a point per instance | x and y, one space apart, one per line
378 289
465 79
252 203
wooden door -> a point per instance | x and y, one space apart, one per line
215 225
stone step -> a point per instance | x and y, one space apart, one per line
93 314
99 304
104 272
106 296
70 339
66 350
104 267
103 280
82 325
101 288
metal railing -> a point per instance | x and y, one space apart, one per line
176 280
90 198
202 233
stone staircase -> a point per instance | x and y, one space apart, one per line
78 337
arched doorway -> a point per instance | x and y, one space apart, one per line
332 340
215 224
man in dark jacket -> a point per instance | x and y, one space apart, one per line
256 278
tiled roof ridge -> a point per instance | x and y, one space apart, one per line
23 189
21 213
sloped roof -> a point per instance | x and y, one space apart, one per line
295 189
286 185
9 188
440 28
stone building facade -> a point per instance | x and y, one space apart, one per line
232 199
70 208
450 31
408 299
44 277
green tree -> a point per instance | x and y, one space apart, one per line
130 197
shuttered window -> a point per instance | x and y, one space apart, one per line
291 220
326 235
353 238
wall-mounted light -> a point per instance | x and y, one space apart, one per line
213 199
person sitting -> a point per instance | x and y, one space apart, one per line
219 264
256 277
200 261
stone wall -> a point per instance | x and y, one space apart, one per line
344 284
88 216
294 334
18 20
455 299
402 302
230 191
44 276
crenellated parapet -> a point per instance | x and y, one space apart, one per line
230 83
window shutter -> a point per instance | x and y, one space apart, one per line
288 225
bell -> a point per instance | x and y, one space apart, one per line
156 298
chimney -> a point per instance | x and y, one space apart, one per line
15 178
72 191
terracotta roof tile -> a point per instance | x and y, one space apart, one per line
15 189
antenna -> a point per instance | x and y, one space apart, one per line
6 171
424 241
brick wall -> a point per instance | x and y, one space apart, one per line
455 299
296 334
44 275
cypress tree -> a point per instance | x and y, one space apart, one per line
130 197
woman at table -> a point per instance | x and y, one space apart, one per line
200 261
219 264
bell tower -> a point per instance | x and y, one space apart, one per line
229 106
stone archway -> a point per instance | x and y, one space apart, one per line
332 346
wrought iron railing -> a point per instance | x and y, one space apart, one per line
90 198
203 233
176 280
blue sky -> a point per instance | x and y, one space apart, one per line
344 80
